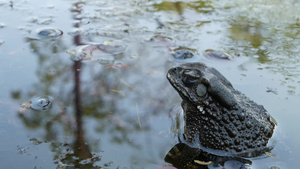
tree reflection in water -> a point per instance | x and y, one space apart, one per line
119 100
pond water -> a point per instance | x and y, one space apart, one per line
83 83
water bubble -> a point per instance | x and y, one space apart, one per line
104 53
49 33
110 47
45 21
41 102
2 42
2 25
83 52
106 60
161 41
76 32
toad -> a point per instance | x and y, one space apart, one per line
219 119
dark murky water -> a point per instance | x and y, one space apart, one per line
96 95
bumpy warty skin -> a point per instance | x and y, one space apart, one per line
221 118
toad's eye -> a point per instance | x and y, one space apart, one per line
188 80
189 77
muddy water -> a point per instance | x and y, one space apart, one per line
66 104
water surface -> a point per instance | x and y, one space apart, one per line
112 109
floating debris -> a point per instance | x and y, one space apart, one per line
271 155
110 47
210 53
41 102
76 32
182 156
83 52
24 106
22 150
103 53
117 66
270 90
162 41
202 162
183 53
49 33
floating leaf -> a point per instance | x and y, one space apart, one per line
24 107
72 52
51 34
202 162
107 43
271 155
116 91
117 66
273 120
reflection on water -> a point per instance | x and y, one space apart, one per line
179 6
112 110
